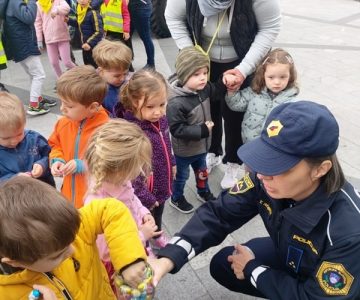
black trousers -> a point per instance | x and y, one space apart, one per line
232 119
221 271
157 213
88 58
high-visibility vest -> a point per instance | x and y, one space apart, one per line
3 59
112 16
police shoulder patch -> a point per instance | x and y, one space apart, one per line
243 185
334 279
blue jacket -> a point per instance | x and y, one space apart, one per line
111 98
317 239
20 40
91 29
34 148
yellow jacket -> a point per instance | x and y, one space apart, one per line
83 274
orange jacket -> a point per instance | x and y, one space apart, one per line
69 141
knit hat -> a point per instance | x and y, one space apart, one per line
188 61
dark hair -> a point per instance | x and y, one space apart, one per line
334 179
35 220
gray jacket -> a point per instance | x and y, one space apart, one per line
187 113
257 107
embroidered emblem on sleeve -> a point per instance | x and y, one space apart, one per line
242 185
334 279
274 128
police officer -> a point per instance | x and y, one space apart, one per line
312 215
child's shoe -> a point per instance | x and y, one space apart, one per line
205 196
40 109
48 102
182 205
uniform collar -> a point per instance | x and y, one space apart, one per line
306 214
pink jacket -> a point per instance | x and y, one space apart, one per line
54 29
125 194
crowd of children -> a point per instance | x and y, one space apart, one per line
128 136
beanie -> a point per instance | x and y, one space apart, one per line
188 61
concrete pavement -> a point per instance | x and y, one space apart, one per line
322 36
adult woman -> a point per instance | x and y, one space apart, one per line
244 32
309 210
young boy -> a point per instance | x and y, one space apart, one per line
188 113
114 60
22 152
21 46
81 91
90 24
48 242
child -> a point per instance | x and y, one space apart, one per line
22 152
21 46
48 242
90 25
144 97
50 22
81 91
274 83
117 152
190 124
114 60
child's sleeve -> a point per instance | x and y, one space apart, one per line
98 28
38 26
44 151
179 126
56 153
126 16
61 9
240 100
24 11
143 193
112 218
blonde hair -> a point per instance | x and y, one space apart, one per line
117 152
276 56
82 84
112 55
12 112
142 85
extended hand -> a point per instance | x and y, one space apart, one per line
236 83
68 168
241 256
161 267
56 169
37 171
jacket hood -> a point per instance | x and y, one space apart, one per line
176 89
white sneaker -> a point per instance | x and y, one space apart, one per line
212 161
230 176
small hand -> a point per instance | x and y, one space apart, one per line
148 230
26 174
40 46
126 36
53 15
56 169
174 172
161 267
46 293
68 168
156 204
86 47
238 81
134 274
37 171
241 256
209 125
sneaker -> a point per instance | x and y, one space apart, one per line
212 161
182 205
205 196
230 176
41 109
48 102
160 242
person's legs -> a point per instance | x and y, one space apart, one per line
88 58
53 54
157 213
65 54
221 271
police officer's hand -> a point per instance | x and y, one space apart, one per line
241 256
161 267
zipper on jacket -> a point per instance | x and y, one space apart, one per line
58 283
76 154
167 154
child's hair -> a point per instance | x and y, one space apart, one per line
12 112
112 55
35 220
276 56
118 151
142 85
82 84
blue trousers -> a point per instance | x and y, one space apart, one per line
198 164
221 271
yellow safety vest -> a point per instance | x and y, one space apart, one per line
3 59
112 16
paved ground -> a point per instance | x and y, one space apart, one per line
323 38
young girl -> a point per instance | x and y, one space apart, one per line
144 100
274 83
117 152
50 22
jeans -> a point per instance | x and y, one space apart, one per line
140 14
221 271
198 164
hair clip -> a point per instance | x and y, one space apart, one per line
34 295
289 59
265 60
